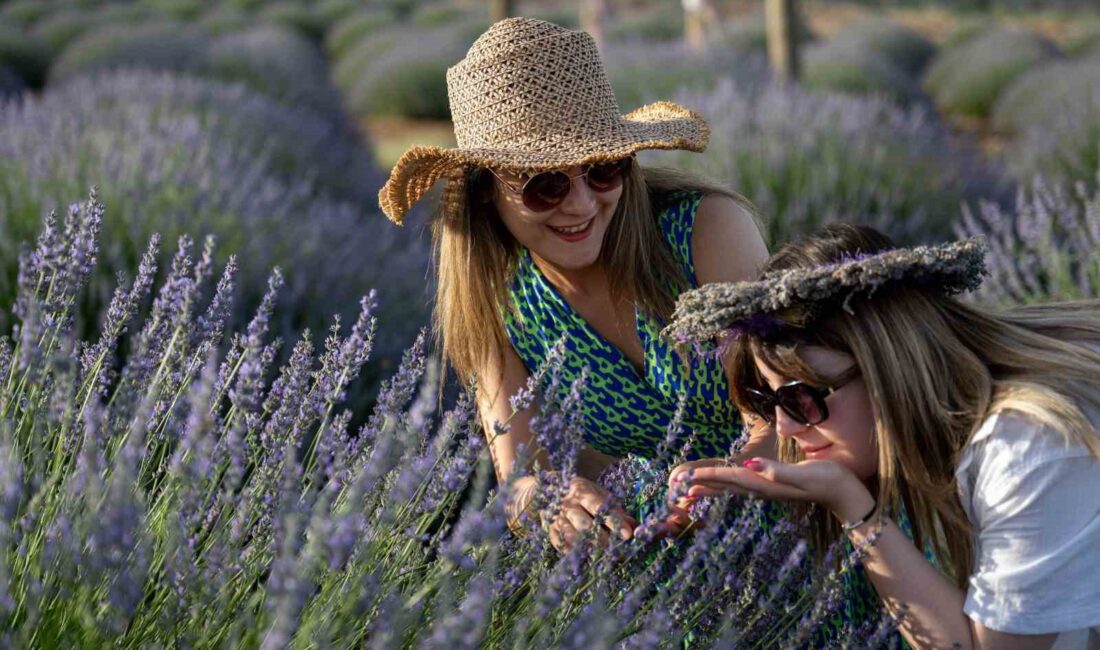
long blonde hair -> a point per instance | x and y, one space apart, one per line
475 257
935 368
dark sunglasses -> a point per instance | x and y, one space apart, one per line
544 191
805 404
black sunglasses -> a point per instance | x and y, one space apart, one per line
544 191
804 403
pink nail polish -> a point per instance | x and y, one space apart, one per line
753 464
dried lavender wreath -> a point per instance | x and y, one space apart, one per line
183 492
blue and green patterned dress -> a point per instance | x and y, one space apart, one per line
627 413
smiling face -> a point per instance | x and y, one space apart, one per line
568 236
847 436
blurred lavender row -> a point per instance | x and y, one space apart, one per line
281 186
808 158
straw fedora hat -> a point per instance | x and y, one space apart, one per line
532 96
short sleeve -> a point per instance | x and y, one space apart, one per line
1035 505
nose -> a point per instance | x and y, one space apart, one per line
581 200
786 426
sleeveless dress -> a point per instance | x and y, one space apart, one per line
629 413
626 412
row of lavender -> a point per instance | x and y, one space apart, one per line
194 497
197 495
278 185
177 492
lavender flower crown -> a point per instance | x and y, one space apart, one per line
798 297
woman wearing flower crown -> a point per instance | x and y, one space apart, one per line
977 430
548 228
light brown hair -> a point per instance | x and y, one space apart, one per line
475 257
935 368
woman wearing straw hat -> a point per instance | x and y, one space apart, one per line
549 229
977 430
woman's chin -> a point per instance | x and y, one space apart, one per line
574 256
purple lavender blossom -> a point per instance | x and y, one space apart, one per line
1048 248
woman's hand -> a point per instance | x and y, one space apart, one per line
820 481
579 510
680 519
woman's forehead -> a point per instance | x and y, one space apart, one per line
788 361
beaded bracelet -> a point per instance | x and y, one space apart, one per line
849 526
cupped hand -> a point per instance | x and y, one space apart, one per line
681 472
585 506
820 481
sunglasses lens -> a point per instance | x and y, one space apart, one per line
802 404
762 403
546 190
608 176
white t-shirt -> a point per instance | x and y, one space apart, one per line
1034 502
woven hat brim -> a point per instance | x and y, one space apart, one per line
711 311
661 125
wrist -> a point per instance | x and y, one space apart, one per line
520 501
854 501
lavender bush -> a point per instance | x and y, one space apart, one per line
61 27
344 34
809 158
23 13
967 79
643 72
193 498
870 56
901 46
1065 147
1037 97
663 21
858 68
298 16
277 62
432 15
118 13
186 10
280 185
1086 44
401 71
271 59
332 11
1046 249
160 45
224 19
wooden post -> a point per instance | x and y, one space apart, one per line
591 17
782 47
501 9
695 32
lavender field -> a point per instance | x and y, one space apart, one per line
219 413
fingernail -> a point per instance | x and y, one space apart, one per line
753 464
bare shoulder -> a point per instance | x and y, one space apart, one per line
726 243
